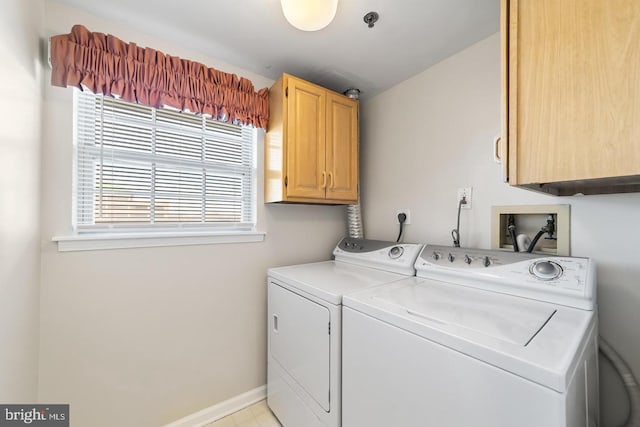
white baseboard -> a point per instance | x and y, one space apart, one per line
222 409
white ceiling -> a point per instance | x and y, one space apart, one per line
410 36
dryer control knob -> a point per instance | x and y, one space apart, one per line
467 259
546 270
451 257
395 252
487 261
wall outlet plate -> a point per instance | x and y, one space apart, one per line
466 193
407 212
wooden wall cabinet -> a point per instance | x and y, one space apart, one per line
571 95
311 145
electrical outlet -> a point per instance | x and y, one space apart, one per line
407 212
466 193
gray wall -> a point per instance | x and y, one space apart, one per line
21 24
432 134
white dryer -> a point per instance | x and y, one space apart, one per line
479 338
305 326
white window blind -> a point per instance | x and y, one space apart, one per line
140 168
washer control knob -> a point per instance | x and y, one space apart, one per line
486 261
546 270
436 255
467 259
395 252
451 257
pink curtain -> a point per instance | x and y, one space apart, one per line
106 65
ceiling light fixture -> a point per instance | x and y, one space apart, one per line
309 15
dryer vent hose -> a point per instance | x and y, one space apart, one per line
354 214
628 379
354 219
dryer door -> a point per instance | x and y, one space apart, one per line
299 340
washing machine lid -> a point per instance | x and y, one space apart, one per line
535 340
513 321
330 280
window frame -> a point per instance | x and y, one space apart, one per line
126 235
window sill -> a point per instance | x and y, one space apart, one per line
97 241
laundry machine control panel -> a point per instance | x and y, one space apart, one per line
563 280
390 256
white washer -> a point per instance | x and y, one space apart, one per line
479 338
305 326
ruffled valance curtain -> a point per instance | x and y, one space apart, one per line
106 65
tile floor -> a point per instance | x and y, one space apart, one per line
256 415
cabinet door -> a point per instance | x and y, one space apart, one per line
306 109
342 148
573 89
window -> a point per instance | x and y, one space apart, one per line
144 169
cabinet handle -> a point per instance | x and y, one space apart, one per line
324 179
500 155
496 150
275 323
332 186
